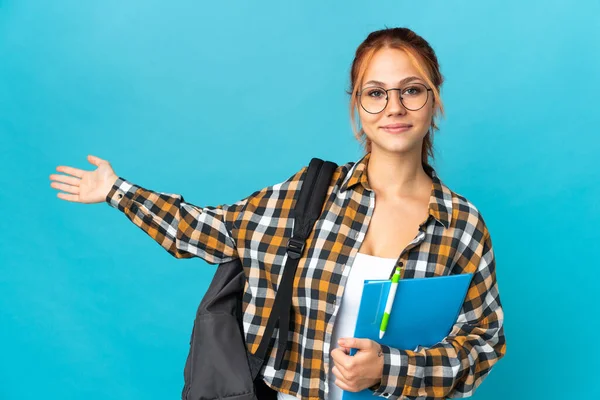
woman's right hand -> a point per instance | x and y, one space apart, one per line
85 186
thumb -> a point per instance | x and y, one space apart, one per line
355 343
95 160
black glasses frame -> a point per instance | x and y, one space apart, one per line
358 94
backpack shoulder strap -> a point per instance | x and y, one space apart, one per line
310 203
306 212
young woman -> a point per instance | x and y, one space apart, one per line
388 209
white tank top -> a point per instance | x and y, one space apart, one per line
364 267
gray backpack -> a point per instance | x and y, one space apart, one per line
218 365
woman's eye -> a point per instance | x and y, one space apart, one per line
375 93
412 91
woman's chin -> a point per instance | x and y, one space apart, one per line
396 148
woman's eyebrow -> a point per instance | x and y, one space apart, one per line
402 82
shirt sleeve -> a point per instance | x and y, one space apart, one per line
181 228
458 364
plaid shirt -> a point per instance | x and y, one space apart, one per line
453 240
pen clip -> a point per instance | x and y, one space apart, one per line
381 304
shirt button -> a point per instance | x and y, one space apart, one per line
120 196
400 264
386 394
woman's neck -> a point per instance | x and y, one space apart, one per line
394 176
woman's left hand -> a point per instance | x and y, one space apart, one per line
361 371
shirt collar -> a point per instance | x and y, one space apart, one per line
440 200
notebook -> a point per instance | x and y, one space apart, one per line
424 311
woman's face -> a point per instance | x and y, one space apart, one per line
391 68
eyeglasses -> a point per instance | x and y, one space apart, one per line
413 97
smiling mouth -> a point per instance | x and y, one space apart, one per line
396 128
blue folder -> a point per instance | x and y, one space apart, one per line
424 311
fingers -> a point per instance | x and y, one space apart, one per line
340 360
70 185
340 355
335 354
342 371
358 343
65 188
341 381
71 171
65 179
68 197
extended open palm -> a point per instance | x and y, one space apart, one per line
84 186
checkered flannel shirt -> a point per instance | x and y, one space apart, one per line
453 240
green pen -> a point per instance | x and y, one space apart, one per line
390 302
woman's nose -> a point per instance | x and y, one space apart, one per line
394 105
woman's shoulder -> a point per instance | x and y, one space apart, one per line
468 216
287 188
461 212
296 179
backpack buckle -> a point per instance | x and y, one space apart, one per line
295 248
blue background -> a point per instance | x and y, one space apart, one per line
215 100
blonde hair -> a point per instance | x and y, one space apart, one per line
421 56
